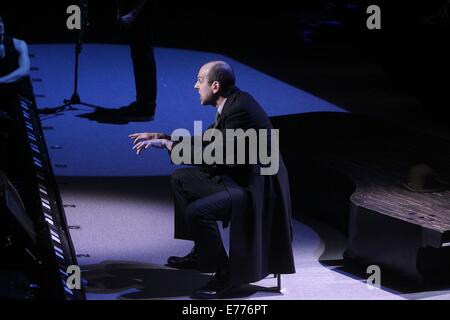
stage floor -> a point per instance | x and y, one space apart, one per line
123 202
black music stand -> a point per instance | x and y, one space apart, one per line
75 99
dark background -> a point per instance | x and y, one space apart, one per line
411 46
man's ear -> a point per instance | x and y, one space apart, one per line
215 86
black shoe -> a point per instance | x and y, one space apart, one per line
189 261
218 287
133 112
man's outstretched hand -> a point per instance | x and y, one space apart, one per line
144 136
144 140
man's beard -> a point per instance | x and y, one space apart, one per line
212 100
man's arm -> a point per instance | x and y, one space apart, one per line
24 64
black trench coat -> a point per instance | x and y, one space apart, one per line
260 226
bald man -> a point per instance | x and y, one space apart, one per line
257 206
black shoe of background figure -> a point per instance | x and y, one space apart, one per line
218 287
134 112
189 261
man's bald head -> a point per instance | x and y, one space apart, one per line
221 72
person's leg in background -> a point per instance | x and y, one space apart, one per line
144 67
144 70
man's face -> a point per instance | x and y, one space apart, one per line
205 89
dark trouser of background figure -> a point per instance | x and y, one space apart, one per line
201 200
144 66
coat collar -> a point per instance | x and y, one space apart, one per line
232 96
230 100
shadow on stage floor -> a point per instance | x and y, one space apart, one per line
151 281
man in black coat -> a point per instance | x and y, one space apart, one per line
253 197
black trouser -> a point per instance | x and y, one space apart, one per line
144 66
201 200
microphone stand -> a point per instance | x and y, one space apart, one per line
75 99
